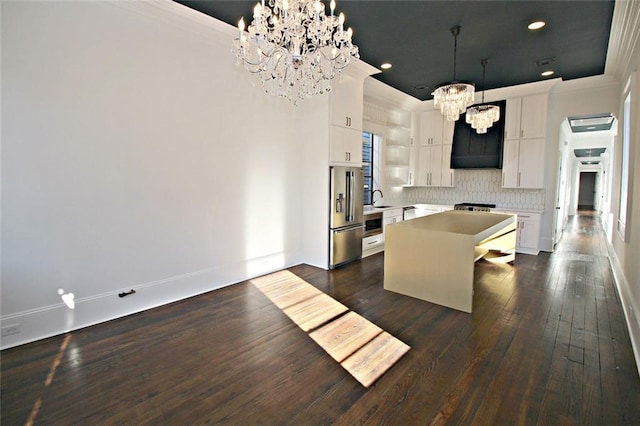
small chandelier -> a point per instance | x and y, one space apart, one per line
454 97
293 48
481 117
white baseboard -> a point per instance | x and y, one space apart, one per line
48 321
628 305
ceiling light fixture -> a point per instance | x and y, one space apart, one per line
454 97
481 117
536 25
293 48
546 73
386 66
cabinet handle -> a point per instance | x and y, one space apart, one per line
518 179
502 178
521 132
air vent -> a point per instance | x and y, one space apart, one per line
545 62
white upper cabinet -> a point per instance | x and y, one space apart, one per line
431 155
429 166
346 102
345 147
526 117
523 153
430 128
448 173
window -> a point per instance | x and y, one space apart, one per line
624 179
370 164
367 165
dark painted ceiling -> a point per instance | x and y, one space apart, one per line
415 37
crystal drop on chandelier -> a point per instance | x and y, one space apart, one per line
293 48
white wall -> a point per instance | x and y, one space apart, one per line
136 155
622 62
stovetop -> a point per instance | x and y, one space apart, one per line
474 207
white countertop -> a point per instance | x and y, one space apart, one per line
477 224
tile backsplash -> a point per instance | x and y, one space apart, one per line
472 186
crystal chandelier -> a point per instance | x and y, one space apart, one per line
481 117
454 97
293 48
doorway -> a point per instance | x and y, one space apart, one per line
587 191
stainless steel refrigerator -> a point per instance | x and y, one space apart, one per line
346 224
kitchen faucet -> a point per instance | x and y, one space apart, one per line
374 193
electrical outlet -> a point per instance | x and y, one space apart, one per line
11 329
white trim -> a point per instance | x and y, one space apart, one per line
52 320
628 305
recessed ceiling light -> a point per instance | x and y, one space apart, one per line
386 66
536 25
547 73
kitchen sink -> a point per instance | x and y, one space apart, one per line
381 207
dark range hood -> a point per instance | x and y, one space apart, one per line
474 151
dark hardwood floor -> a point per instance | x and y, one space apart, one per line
546 344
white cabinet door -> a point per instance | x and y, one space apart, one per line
345 146
528 233
512 118
510 163
346 102
412 179
430 128
526 117
447 131
391 216
531 163
424 159
430 166
533 117
447 172
435 165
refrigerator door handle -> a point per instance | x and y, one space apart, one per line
348 229
350 188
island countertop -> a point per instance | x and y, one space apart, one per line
480 225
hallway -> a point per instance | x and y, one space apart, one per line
546 344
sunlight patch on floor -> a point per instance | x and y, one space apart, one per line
361 347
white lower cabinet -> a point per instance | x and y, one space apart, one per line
375 243
372 245
391 216
527 232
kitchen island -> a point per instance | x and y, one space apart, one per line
432 257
